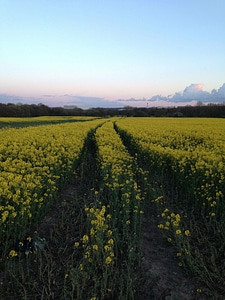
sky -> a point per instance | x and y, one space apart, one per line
94 53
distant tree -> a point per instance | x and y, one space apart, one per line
57 111
199 103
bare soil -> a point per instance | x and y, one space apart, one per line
162 278
158 278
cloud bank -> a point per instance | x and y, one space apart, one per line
195 92
191 95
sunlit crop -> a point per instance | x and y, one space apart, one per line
113 219
168 169
34 163
190 151
187 157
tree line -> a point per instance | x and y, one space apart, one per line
33 110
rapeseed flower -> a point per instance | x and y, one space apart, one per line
95 247
110 242
13 253
187 233
85 238
76 244
108 260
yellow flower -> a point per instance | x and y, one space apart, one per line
110 242
107 248
108 260
85 238
177 217
178 232
13 253
160 226
109 232
76 244
4 216
95 247
175 223
87 254
14 214
92 232
187 233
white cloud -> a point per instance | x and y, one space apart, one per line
221 90
194 92
190 96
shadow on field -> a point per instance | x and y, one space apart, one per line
41 272
44 274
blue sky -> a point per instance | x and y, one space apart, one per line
65 52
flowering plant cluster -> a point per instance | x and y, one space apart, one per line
111 243
35 162
176 165
187 157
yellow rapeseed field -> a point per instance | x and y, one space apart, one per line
171 167
190 151
34 162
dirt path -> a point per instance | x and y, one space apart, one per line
160 277
163 278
